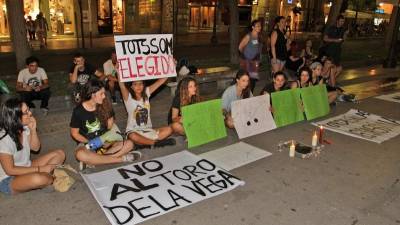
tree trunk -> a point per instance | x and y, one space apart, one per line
334 12
356 16
391 39
234 31
16 21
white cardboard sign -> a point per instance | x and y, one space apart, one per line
138 192
251 116
359 124
144 57
395 97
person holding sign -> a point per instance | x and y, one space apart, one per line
137 103
239 90
317 79
187 94
304 78
90 121
278 84
18 137
111 73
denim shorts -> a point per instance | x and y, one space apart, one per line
5 185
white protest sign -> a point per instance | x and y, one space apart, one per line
395 97
135 193
251 116
363 125
144 57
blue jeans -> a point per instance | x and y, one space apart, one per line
5 185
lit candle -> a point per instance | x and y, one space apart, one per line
321 134
292 149
314 141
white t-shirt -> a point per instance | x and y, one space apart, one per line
21 157
138 113
109 68
32 79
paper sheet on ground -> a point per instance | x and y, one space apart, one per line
134 193
315 101
395 97
251 116
236 155
363 125
287 107
203 122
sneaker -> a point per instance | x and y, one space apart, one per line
165 142
349 98
132 156
45 111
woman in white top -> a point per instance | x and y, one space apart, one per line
137 103
18 137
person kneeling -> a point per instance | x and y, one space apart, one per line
18 137
92 126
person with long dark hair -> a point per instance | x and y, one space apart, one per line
239 90
18 137
280 44
250 48
137 103
187 94
92 126
304 78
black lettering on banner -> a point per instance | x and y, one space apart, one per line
184 173
154 45
145 46
209 184
131 47
165 177
139 210
165 45
115 191
195 188
154 165
174 196
143 187
118 207
192 170
227 176
124 172
206 165
389 121
362 132
218 183
362 114
122 43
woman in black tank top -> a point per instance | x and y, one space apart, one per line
279 45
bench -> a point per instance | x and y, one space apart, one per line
222 75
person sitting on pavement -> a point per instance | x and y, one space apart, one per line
317 79
307 52
239 90
330 71
278 84
18 137
303 78
137 103
92 126
187 94
33 84
111 73
80 73
294 62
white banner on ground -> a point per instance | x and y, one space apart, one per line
395 97
135 193
233 156
251 116
144 57
363 125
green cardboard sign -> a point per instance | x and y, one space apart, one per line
315 101
203 122
287 107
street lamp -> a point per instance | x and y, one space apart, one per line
214 39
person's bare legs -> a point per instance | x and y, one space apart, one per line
229 121
332 96
31 181
55 157
163 133
120 148
178 128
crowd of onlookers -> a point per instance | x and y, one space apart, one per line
37 29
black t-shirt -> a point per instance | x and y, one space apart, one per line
294 65
333 49
86 74
269 88
87 122
176 103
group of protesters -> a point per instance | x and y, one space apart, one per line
92 125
